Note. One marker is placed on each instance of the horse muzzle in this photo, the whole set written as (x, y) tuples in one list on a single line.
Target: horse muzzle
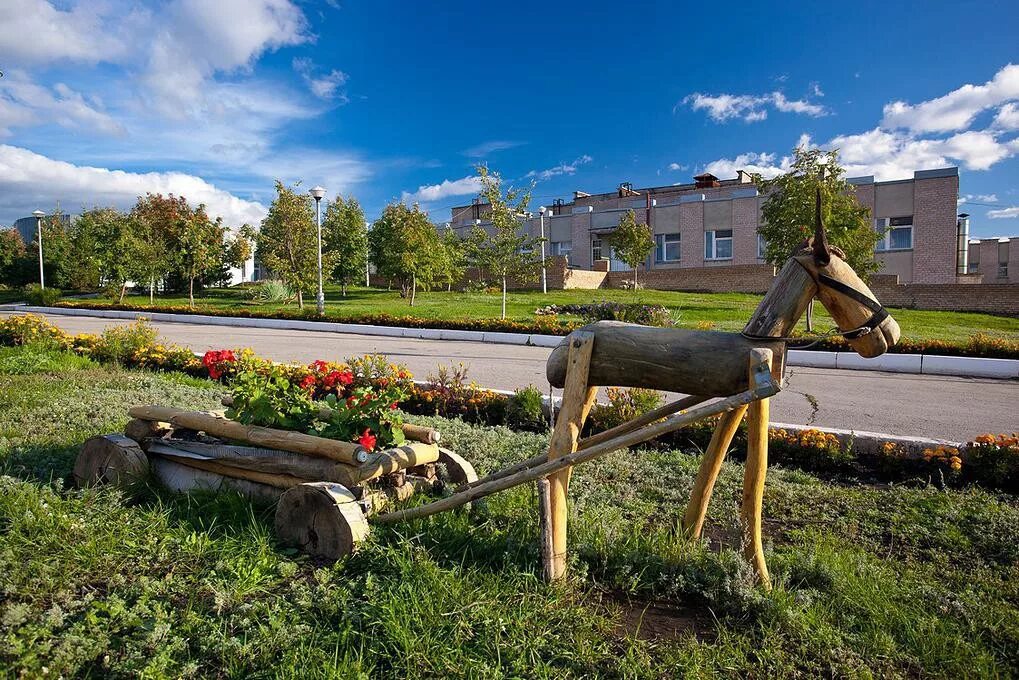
[(875, 343)]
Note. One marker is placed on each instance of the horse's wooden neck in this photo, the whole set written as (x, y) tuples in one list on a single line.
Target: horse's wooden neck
[(784, 303)]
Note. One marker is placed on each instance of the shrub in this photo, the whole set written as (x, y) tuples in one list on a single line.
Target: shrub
[(624, 405), (120, 344), (647, 315), (811, 449), (525, 410), (271, 292), (449, 394), (27, 329), (43, 297), (993, 461)]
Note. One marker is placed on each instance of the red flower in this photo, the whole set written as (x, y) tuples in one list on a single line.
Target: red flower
[(346, 378), (213, 361), (308, 382), (351, 401), (319, 366), (367, 439), (331, 379), (402, 375), (393, 406)]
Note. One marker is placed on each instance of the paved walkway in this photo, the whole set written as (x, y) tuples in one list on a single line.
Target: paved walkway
[(922, 405)]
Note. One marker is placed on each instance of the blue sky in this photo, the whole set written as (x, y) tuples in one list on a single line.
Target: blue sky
[(106, 99)]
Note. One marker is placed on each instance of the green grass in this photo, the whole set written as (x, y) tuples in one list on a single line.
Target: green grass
[(873, 581), (727, 311)]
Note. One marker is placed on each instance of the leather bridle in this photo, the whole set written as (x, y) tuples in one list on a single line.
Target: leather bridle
[(879, 313)]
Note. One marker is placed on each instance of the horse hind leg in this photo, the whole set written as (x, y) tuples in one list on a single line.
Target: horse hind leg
[(711, 465)]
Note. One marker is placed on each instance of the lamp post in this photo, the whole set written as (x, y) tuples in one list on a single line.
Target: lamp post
[(367, 276), (317, 193), (38, 215), (541, 221)]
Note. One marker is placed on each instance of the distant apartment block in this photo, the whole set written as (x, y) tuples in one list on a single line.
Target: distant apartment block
[(713, 223)]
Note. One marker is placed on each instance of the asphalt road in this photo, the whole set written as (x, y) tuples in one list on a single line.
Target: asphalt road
[(941, 407)]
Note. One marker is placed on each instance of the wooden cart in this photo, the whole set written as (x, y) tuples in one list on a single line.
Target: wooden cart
[(326, 489)]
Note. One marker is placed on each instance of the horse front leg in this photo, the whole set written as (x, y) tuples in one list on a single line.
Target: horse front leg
[(711, 465), (578, 398), (753, 488)]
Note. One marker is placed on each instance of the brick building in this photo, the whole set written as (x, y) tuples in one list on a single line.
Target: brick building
[(711, 224)]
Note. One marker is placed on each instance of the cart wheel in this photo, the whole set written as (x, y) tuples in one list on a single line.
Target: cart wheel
[(458, 469), (322, 519)]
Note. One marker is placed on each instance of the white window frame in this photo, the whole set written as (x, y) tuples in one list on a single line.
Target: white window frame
[(661, 249), (600, 247), (563, 249), (1002, 270), (711, 244), (884, 226)]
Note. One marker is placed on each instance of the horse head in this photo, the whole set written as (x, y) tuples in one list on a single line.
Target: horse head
[(861, 319)]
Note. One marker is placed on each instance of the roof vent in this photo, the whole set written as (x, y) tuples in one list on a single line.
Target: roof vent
[(706, 181)]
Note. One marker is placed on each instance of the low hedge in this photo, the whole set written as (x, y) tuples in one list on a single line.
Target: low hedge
[(989, 460), (981, 345)]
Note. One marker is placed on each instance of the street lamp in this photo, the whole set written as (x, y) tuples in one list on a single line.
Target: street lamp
[(367, 275), (38, 215), (317, 193), (541, 221)]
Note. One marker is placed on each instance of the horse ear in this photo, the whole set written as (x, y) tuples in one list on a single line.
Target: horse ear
[(822, 254)]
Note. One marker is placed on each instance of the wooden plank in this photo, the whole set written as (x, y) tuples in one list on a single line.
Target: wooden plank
[(753, 486), (707, 473), (545, 530), (708, 363), (297, 442)]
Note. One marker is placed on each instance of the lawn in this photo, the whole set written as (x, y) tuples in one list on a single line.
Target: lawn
[(726, 311), (873, 580)]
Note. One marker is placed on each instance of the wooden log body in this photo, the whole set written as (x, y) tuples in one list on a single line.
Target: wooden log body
[(271, 461), (297, 442), (141, 430), (389, 461), (706, 363), (176, 476)]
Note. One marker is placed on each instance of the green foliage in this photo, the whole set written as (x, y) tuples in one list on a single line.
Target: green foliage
[(12, 252), (288, 241), (120, 344), (525, 410), (632, 242), (266, 395), (788, 211), (624, 405), (271, 292), (43, 297), (345, 239), (57, 251), (507, 253), (406, 249)]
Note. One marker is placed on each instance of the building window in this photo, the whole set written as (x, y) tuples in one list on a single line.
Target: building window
[(973, 267), (596, 249), (761, 246), (718, 244), (666, 247), (562, 249), (1003, 270), (897, 233)]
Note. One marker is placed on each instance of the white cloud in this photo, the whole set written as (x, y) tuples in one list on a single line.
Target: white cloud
[(24, 103), (1004, 213), (36, 32), (30, 181), (978, 198), (1007, 117), (434, 192), (561, 169), (486, 148), (750, 108), (322, 86), (957, 109), (676, 167), (764, 164), (815, 89)]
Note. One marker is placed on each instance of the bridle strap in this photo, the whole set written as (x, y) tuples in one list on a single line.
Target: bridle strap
[(879, 315)]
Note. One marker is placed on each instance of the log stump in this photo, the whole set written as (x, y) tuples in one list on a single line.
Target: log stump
[(321, 519), (110, 459), (458, 470), (142, 430)]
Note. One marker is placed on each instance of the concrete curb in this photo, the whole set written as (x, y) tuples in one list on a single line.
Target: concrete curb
[(915, 364)]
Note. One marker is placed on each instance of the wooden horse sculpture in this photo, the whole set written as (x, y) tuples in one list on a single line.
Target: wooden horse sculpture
[(739, 371)]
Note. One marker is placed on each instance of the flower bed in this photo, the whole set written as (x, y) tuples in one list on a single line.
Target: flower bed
[(368, 393), (981, 345)]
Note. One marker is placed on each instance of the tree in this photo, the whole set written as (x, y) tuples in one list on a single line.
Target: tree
[(788, 211), (12, 252), (103, 243), (345, 239), (288, 240), (454, 254), (404, 245), (632, 242), (56, 249), (153, 221), (508, 254), (199, 242)]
